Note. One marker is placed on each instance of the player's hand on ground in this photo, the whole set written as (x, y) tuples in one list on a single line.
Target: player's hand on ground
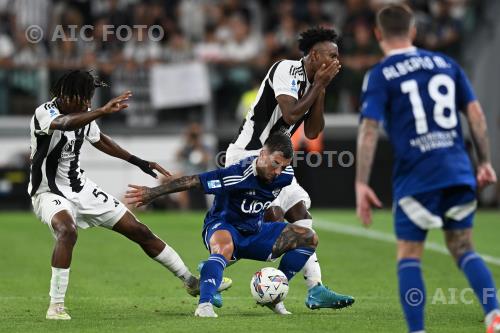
[(117, 103), (485, 175), (326, 73), (365, 200), (138, 195)]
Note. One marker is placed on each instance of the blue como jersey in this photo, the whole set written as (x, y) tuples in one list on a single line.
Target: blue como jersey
[(417, 94), (241, 198)]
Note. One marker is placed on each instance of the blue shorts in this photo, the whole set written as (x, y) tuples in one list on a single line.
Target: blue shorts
[(448, 208), (257, 246)]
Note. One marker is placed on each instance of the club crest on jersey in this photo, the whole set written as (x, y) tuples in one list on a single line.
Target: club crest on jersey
[(52, 112), (254, 207), (69, 146), (276, 192)]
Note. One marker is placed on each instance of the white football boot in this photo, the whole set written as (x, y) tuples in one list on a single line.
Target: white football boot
[(205, 310), (57, 311), (278, 308)]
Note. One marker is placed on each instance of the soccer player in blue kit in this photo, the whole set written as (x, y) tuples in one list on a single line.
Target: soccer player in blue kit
[(234, 227), (417, 95)]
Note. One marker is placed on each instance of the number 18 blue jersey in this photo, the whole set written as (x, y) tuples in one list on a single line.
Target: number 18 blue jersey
[(417, 94)]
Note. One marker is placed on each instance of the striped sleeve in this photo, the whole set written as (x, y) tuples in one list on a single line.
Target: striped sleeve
[(224, 180), (45, 114), (92, 132)]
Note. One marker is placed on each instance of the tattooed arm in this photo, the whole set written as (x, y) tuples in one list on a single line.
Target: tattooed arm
[(477, 124), (143, 195), (366, 146)]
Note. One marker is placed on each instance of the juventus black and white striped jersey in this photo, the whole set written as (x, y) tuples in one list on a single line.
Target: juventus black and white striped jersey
[(286, 77), (55, 154)]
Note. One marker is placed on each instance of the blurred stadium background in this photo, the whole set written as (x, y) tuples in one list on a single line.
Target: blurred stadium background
[(194, 79)]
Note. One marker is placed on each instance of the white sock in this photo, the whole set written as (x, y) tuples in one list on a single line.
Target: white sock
[(489, 317), (58, 284), (171, 260), (312, 271)]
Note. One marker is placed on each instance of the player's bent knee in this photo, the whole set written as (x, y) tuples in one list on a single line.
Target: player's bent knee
[(297, 212), (307, 236), (67, 233), (410, 249), (459, 242), (225, 250), (313, 239), (274, 214)]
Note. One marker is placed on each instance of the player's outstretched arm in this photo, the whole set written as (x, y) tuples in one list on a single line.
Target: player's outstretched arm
[(485, 173), (74, 121), (366, 147), (110, 147), (143, 195)]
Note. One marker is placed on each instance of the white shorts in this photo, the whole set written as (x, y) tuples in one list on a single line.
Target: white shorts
[(89, 208), (289, 196)]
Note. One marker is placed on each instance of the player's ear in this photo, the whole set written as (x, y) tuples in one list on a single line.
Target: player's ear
[(413, 33), (378, 34)]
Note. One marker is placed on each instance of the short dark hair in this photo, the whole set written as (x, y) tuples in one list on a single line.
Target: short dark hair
[(315, 35), (280, 142), (76, 85), (395, 20)]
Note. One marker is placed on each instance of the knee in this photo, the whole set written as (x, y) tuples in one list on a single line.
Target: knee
[(67, 233), (458, 249), (274, 214), (314, 240), (410, 249), (310, 238), (459, 242), (225, 250), (297, 213)]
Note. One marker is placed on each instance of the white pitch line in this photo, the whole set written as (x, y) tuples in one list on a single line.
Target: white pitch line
[(385, 237)]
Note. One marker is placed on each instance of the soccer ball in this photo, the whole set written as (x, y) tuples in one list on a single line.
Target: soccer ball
[(269, 285)]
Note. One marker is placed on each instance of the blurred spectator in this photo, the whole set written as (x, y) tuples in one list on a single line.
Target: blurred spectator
[(178, 49), (236, 38), (28, 54), (440, 31), (359, 53), (241, 45), (7, 49), (210, 49), (194, 157), (140, 50)]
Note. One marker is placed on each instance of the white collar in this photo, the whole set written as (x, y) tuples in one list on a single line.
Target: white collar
[(254, 166), (401, 51)]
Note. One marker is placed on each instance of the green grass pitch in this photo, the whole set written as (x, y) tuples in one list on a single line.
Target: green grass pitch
[(115, 287)]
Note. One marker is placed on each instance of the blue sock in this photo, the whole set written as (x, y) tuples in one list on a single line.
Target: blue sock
[(480, 280), (211, 276), (293, 261), (412, 293)]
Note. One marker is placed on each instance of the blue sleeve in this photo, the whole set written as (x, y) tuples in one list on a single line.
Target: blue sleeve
[(464, 92), (224, 180), (374, 95)]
